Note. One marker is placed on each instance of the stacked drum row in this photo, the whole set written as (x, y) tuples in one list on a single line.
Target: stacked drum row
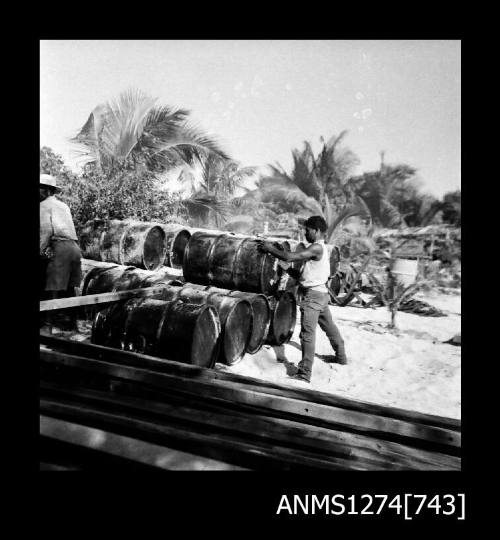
[(151, 325), (136, 243)]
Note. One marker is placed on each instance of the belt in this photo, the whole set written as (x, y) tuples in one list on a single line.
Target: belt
[(313, 288), (62, 239)]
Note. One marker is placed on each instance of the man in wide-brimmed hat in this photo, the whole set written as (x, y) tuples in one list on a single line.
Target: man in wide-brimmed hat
[(60, 255)]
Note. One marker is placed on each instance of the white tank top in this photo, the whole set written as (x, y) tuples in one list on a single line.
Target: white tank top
[(315, 274)]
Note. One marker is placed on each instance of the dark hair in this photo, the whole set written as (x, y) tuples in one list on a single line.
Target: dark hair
[(316, 222), (51, 189)]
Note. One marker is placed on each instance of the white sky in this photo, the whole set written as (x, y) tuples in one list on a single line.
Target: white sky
[(263, 98)]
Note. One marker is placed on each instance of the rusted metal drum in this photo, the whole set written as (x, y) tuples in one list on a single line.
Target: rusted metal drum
[(101, 280), (175, 330), (108, 326), (261, 314), (177, 237), (284, 278), (134, 243), (90, 237), (90, 267), (210, 231), (235, 315), (107, 277), (283, 318), (261, 319), (159, 278), (88, 264), (144, 245), (110, 249), (283, 242), (334, 259), (230, 262), (287, 281)]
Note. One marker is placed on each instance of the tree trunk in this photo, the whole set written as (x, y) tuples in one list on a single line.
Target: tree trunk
[(393, 310)]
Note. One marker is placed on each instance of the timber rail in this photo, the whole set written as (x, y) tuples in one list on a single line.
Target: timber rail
[(225, 420), (95, 299)]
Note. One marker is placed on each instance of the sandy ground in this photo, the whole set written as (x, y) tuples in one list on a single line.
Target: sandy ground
[(409, 368)]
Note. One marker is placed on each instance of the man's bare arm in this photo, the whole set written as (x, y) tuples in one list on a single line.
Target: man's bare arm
[(313, 252)]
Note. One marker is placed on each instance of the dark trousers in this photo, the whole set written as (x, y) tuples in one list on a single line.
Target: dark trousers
[(314, 310), (66, 319)]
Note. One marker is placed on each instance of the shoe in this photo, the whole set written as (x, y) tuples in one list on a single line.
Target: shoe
[(46, 330), (301, 377)]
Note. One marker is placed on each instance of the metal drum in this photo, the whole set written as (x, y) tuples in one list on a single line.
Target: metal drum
[(261, 319), (90, 238), (235, 315), (230, 262), (133, 243), (283, 318), (102, 280), (107, 277), (175, 330), (144, 245), (261, 314), (177, 237)]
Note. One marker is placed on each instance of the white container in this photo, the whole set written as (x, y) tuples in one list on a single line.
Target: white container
[(405, 270)]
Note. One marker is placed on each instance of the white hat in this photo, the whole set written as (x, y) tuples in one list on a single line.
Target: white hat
[(48, 180)]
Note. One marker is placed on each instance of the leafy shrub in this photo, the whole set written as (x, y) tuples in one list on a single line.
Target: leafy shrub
[(128, 191)]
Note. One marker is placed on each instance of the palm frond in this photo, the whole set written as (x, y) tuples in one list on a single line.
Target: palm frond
[(303, 174), (358, 208), (209, 202), (335, 140), (183, 141), (125, 122), (308, 154), (132, 125), (279, 171), (87, 139), (246, 171)]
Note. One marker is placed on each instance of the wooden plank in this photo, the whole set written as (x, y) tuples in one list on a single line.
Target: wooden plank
[(352, 439), (94, 299), (347, 419), (185, 370), (379, 447), (357, 421), (225, 448), (368, 441), (128, 447), (44, 466), (295, 434)]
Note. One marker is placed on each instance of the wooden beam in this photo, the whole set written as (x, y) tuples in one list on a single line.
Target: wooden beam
[(94, 299), (223, 447), (128, 447), (170, 367), (356, 421), (379, 454)]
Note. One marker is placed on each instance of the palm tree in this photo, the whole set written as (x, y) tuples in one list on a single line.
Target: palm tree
[(279, 195), (384, 190), (324, 175), (133, 128), (324, 178), (210, 196), (223, 176)]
